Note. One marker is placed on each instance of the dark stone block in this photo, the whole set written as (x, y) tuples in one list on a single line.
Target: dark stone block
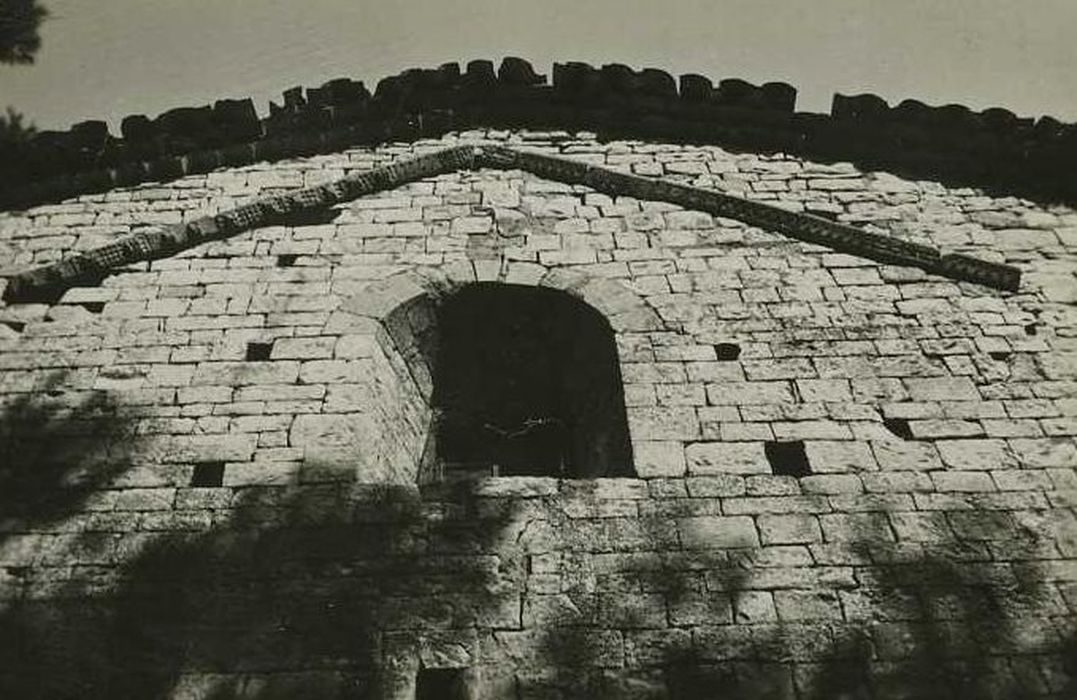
[(51, 140), (272, 149), (859, 107), (449, 74), (733, 92), (480, 73), (344, 91), (94, 181), (240, 154), (389, 89), (912, 112), (1048, 128), (404, 128), (293, 98), (437, 122), (279, 123), (317, 97), (696, 88), (203, 161), (779, 96), (955, 117), (347, 114), (998, 119), (89, 134), (167, 168), (656, 83), (339, 138), (574, 77), (617, 77), (191, 122), (307, 144), (416, 90), (236, 119), (129, 174), (34, 192), (516, 71), (112, 153)]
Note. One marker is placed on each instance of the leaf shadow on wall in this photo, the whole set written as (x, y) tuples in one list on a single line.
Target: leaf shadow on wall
[(936, 622), (57, 447), (290, 594)]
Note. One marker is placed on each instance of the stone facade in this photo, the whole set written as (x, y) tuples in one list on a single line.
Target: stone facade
[(211, 460)]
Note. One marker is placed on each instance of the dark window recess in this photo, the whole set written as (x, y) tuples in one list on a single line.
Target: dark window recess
[(16, 326), (1031, 329), (527, 383), (727, 352), (440, 684), (208, 474), (899, 427), (787, 458), (286, 260), (1001, 356), (259, 351)]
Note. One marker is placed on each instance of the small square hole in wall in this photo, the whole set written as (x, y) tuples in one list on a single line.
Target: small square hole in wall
[(259, 351), (727, 352), (899, 427), (286, 260), (94, 307), (440, 684), (208, 475), (1031, 329), (787, 458)]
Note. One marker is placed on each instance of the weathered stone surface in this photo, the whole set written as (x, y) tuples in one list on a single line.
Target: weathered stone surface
[(789, 529), (839, 456), (206, 498), (726, 458), (663, 458), (715, 532)]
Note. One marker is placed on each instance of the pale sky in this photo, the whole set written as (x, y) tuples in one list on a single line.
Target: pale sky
[(105, 59)]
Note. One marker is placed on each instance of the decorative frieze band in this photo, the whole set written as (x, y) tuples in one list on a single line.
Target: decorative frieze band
[(804, 227), (49, 282)]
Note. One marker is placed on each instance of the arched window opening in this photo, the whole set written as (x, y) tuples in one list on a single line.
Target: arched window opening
[(527, 382)]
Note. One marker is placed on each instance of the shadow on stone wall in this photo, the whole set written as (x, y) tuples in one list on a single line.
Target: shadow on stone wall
[(56, 448), (286, 598), (941, 630), (333, 591), (935, 622)]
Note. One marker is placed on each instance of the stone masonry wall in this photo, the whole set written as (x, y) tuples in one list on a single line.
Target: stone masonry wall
[(208, 463)]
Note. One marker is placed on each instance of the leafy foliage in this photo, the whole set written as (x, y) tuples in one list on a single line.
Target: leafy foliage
[(19, 22), (13, 129)]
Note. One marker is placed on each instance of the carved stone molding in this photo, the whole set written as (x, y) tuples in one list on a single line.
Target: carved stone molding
[(49, 282)]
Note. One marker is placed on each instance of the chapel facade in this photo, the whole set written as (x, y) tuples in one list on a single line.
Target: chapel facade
[(484, 385)]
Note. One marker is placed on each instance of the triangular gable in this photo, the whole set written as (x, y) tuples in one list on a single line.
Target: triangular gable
[(50, 281)]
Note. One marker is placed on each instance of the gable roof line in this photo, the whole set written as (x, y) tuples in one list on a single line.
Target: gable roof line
[(50, 281), (993, 148)]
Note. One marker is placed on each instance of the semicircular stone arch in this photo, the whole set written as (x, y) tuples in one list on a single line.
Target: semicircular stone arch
[(394, 434)]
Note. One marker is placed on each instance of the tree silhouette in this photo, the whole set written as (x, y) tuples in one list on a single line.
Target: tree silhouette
[(19, 41), (19, 22), (13, 129)]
